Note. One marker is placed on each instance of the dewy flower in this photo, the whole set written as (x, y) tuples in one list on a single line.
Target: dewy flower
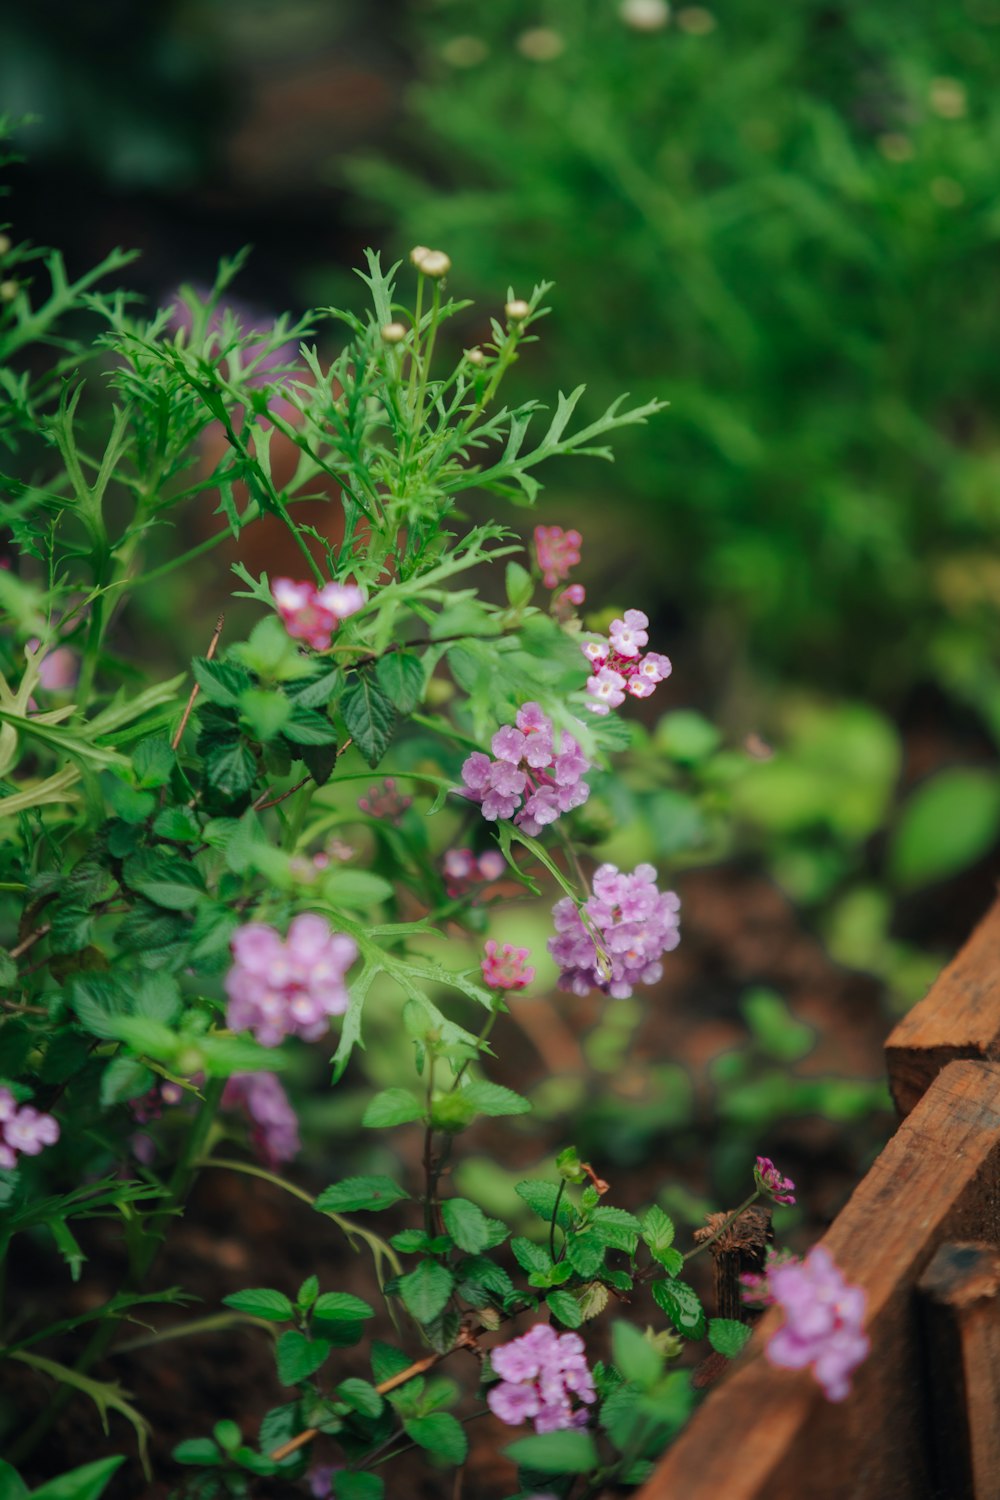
[(557, 551), (637, 924), (770, 1181), (275, 1127), (540, 1374), (507, 969), (618, 665), (24, 1131), (529, 781), (823, 1321), (281, 987), (312, 615)]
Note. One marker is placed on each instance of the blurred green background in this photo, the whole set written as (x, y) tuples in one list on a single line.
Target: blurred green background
[(784, 220)]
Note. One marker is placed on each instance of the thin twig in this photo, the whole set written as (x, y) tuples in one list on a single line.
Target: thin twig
[(30, 940), (417, 1368), (265, 801), (179, 732)]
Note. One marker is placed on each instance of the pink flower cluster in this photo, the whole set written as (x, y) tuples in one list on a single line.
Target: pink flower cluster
[(557, 551), (823, 1321), (463, 871), (527, 765), (506, 968), (24, 1131), (312, 615), (618, 665), (279, 987), (637, 925), (384, 801), (275, 1127), (540, 1373), (770, 1181)]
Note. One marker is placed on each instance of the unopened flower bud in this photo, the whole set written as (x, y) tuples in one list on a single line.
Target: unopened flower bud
[(475, 356), (394, 333), (4, 244), (517, 310), (417, 255), (435, 263), (8, 291)]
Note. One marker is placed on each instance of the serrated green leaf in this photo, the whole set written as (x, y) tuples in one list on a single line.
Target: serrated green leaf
[(153, 760), (426, 1290), (543, 1198), (440, 1434), (124, 1078), (617, 1228), (262, 1302), (354, 1193), (167, 880), (585, 1253), (360, 1395), (657, 1230), (493, 1099), (221, 682), (531, 1257), (178, 824), (402, 679), (230, 769), (564, 1306), (298, 1357), (309, 727), (318, 691), (341, 1307), (728, 1336), (126, 802), (682, 1306), (392, 1107), (467, 1224), (370, 717), (266, 712), (566, 1452)]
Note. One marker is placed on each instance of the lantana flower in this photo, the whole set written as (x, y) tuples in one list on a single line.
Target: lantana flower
[(822, 1330), (506, 968), (541, 1372), (637, 924), (557, 551), (275, 1126), (280, 987), (529, 781), (312, 615), (618, 665), (24, 1130)]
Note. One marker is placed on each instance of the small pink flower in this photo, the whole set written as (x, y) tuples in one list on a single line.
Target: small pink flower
[(275, 1132), (823, 1323), (465, 875), (24, 1130), (385, 802), (58, 669), (529, 767), (287, 987), (637, 923), (540, 1374), (628, 635), (770, 1181), (312, 615), (507, 969), (557, 551), (619, 667), (607, 688)]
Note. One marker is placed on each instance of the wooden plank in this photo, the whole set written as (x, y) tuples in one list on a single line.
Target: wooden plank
[(768, 1434), (960, 1310), (959, 1017)]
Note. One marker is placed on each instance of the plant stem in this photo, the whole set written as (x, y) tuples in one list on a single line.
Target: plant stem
[(730, 1219)]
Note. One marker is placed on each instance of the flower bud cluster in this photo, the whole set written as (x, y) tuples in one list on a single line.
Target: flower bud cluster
[(312, 615), (527, 766), (637, 924), (557, 551), (384, 801), (24, 1131), (274, 1125), (619, 667), (465, 872), (823, 1323), (540, 1374), (506, 968), (288, 987)]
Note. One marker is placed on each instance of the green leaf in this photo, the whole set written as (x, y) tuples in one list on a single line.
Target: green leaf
[(341, 1307), (308, 1292), (585, 1253), (12, 1486), (520, 585), (221, 682), (616, 1228), (426, 1290), (948, 823), (467, 1224), (728, 1336), (565, 1307), (266, 712), (657, 1230), (493, 1099), (309, 727), (299, 1357), (387, 1361), (441, 1434), (201, 1451), (353, 1193), (566, 1452), (125, 801), (318, 691), (165, 879), (86, 1483), (360, 1395), (370, 717), (153, 760), (543, 1197), (402, 679), (124, 1078), (271, 653), (179, 824), (354, 1484), (682, 1306), (671, 1260), (635, 1357), (531, 1257), (319, 761), (392, 1107), (358, 889), (230, 769), (262, 1302)]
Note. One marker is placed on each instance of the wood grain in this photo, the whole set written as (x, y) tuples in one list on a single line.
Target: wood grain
[(768, 1434), (959, 1017)]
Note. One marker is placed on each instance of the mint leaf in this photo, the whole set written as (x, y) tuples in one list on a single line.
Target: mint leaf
[(567, 1452), (299, 1357), (426, 1290), (341, 1306), (682, 1306), (402, 679), (370, 717), (728, 1336), (353, 1193), (467, 1224), (440, 1434), (262, 1302), (392, 1107)]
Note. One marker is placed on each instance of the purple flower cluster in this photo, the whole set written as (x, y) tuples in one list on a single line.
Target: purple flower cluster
[(823, 1321), (24, 1131), (618, 665), (465, 873), (385, 802), (637, 924), (275, 1127), (280, 987), (770, 1181), (527, 766), (540, 1373)]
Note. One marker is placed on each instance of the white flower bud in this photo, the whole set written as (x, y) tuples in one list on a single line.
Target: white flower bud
[(434, 263), (475, 356), (4, 244), (417, 255), (645, 15), (394, 333), (8, 291), (517, 310)]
